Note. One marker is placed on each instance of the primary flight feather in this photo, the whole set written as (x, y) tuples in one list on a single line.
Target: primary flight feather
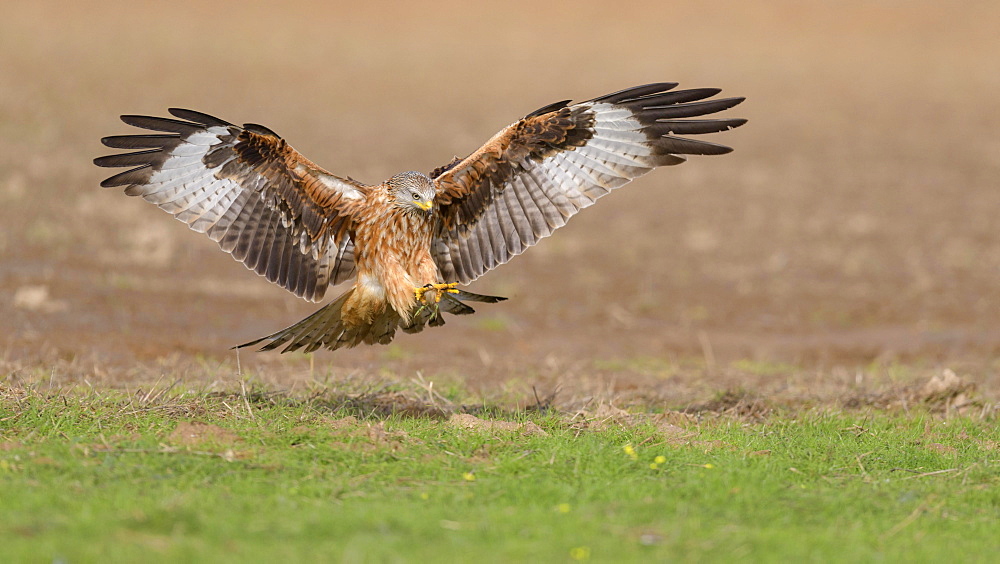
[(408, 241)]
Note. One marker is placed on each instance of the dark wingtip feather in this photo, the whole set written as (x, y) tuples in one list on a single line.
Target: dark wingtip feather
[(198, 117), (685, 110), (635, 92), (696, 126), (671, 98), (135, 176), (157, 141), (161, 124), (126, 159)]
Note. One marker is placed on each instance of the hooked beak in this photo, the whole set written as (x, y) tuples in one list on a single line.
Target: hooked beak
[(425, 205)]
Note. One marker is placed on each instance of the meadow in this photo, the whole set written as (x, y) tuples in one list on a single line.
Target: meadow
[(249, 475)]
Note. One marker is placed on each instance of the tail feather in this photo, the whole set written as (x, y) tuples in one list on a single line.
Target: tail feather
[(326, 327), (470, 297), (450, 304), (383, 328), (308, 333)]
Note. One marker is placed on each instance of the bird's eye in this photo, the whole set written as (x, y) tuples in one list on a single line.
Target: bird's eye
[(415, 196)]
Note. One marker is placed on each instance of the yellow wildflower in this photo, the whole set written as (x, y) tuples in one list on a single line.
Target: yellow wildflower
[(630, 451)]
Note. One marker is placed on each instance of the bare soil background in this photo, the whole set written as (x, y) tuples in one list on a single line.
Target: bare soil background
[(849, 244)]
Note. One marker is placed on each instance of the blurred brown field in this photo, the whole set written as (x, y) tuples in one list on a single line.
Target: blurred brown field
[(853, 230)]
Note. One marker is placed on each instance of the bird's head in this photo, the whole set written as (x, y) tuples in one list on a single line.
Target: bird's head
[(413, 191)]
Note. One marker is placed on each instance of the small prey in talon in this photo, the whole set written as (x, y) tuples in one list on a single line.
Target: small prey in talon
[(305, 229)]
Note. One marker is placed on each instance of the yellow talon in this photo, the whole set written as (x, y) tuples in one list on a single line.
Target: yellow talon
[(440, 289)]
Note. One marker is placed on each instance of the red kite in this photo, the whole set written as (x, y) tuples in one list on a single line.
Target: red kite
[(411, 239)]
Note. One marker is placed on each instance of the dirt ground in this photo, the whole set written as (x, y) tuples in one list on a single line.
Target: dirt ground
[(849, 243)]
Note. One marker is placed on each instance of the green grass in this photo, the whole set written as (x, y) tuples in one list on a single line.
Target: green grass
[(98, 478)]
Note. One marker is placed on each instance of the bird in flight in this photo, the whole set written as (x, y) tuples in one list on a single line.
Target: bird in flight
[(409, 241)]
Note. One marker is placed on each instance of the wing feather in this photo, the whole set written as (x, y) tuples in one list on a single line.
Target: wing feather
[(531, 221), (278, 262), (517, 230), (247, 189), (261, 240), (552, 216), (243, 229), (535, 174)]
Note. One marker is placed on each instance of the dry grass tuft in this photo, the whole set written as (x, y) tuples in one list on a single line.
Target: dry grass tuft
[(945, 394)]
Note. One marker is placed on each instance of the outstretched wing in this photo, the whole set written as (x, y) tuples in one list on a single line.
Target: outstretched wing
[(535, 174), (282, 216)]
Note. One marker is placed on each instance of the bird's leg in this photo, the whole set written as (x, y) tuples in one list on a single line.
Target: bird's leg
[(416, 312), (439, 291)]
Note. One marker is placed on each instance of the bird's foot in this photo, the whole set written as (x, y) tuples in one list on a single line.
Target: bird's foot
[(439, 291)]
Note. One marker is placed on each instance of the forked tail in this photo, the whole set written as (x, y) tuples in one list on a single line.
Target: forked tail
[(326, 328)]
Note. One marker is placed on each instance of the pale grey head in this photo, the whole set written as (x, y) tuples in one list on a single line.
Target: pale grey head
[(413, 191)]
